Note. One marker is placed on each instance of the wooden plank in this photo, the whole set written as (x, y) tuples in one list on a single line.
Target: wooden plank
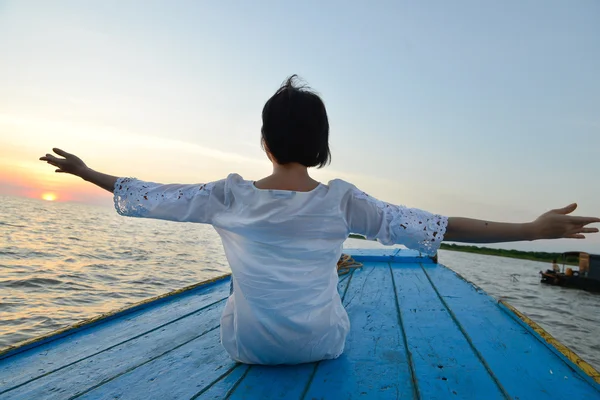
[(278, 382), (444, 364), (374, 364), (384, 252), (343, 283), (109, 365), (523, 364), (180, 374), (53, 356), (223, 387), (392, 255)]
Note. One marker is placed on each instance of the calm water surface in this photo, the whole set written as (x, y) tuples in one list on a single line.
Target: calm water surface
[(61, 263)]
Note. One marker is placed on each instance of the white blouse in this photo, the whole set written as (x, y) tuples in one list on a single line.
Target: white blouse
[(283, 247)]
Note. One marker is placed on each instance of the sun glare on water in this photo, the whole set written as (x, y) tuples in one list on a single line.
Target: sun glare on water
[(49, 196)]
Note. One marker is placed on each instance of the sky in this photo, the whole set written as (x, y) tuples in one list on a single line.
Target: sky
[(468, 108)]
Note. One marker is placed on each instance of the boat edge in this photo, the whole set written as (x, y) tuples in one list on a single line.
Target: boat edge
[(568, 356), (574, 361), (28, 344)]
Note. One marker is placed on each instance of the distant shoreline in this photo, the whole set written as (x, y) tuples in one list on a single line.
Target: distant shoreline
[(521, 255), (518, 254)]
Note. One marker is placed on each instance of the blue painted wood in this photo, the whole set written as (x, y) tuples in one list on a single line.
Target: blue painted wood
[(392, 255), (391, 252), (85, 343), (223, 387), (572, 365), (374, 364), (284, 382), (526, 368), (388, 252), (408, 320), (179, 374), (443, 362), (343, 283), (105, 366)]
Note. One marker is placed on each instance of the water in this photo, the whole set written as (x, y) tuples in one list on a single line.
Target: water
[(61, 263)]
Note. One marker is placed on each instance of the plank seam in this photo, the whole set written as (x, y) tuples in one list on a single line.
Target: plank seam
[(469, 340), (348, 285), (310, 380), (238, 383), (111, 347), (105, 381), (224, 375), (411, 365), (314, 371), (344, 278)]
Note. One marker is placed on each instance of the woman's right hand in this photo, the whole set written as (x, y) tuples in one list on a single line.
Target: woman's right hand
[(70, 164)]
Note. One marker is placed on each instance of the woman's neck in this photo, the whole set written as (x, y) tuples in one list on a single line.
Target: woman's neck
[(291, 176)]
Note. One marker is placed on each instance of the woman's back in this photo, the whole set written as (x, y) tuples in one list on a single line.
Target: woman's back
[(283, 247)]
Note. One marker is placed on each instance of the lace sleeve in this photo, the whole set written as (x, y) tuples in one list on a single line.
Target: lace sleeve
[(136, 198), (392, 224)]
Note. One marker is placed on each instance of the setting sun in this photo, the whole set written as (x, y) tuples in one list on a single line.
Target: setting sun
[(49, 196)]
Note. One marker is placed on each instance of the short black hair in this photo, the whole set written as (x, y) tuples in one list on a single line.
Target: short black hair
[(295, 127)]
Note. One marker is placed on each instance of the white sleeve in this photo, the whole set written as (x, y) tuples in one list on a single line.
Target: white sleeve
[(392, 224), (174, 202)]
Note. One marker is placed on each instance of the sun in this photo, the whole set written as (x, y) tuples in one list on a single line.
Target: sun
[(49, 196)]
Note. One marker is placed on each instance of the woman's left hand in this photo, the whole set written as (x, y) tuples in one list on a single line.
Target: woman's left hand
[(557, 224)]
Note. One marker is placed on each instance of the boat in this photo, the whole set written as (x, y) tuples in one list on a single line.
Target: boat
[(586, 277), (418, 331)]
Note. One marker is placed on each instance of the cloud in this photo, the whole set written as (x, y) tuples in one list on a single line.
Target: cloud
[(114, 136)]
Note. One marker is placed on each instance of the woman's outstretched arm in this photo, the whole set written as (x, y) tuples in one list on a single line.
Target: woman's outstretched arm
[(423, 231), (554, 224), (136, 198), (71, 164)]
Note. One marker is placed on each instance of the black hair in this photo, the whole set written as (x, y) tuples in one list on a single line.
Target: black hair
[(295, 126)]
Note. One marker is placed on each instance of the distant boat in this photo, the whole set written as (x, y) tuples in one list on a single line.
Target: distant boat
[(419, 331), (586, 277)]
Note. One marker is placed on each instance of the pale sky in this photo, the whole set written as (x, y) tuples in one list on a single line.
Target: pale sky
[(470, 108)]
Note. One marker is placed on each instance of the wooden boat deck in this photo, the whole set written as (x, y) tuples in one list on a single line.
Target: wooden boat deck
[(418, 332)]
